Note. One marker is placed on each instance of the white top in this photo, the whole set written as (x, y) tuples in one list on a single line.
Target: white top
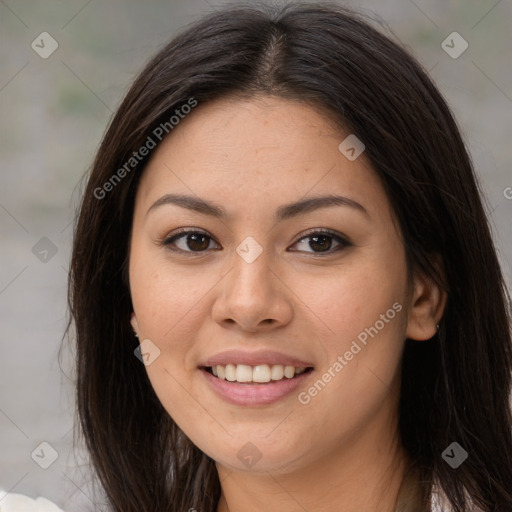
[(20, 503)]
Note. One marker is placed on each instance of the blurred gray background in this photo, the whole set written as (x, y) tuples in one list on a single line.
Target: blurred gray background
[(53, 113)]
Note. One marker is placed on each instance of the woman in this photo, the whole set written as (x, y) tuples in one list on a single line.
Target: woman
[(283, 282)]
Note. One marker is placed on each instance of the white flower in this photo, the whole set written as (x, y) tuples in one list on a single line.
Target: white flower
[(10, 502)]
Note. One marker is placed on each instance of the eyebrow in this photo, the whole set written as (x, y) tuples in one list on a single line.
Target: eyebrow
[(284, 212)]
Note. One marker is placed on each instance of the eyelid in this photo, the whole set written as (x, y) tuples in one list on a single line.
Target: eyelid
[(180, 231), (322, 231)]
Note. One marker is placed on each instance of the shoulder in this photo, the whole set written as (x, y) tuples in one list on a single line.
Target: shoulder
[(10, 502)]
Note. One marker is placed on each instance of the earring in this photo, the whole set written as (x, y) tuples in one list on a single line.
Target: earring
[(437, 327), (136, 335)]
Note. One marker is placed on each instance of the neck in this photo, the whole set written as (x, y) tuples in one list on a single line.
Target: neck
[(364, 474)]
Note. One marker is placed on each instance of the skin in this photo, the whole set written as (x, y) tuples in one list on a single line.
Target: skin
[(251, 157)]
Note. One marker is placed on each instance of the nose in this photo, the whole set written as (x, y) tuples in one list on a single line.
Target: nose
[(253, 297)]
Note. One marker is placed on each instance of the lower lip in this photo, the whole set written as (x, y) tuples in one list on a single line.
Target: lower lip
[(254, 394)]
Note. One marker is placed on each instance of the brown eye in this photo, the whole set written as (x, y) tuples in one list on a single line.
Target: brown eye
[(322, 241), (189, 241)]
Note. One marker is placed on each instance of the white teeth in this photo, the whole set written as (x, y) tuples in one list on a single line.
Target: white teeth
[(230, 372), (261, 373), (277, 372), (289, 372), (243, 373)]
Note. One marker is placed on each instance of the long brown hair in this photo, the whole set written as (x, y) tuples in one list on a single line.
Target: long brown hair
[(455, 388)]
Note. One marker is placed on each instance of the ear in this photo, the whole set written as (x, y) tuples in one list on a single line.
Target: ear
[(135, 325), (426, 308)]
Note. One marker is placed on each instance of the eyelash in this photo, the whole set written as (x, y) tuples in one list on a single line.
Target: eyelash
[(180, 233)]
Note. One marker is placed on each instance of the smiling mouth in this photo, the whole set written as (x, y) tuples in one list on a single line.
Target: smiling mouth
[(258, 374)]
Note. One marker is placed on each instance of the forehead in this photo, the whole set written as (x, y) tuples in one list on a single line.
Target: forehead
[(277, 149)]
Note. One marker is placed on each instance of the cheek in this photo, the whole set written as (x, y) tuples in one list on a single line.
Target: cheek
[(169, 306), (166, 300), (360, 318), (350, 300)]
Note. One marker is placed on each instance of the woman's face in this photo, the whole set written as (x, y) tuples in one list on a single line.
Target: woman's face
[(261, 288)]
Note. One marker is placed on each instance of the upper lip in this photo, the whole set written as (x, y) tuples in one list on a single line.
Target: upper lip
[(269, 357)]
